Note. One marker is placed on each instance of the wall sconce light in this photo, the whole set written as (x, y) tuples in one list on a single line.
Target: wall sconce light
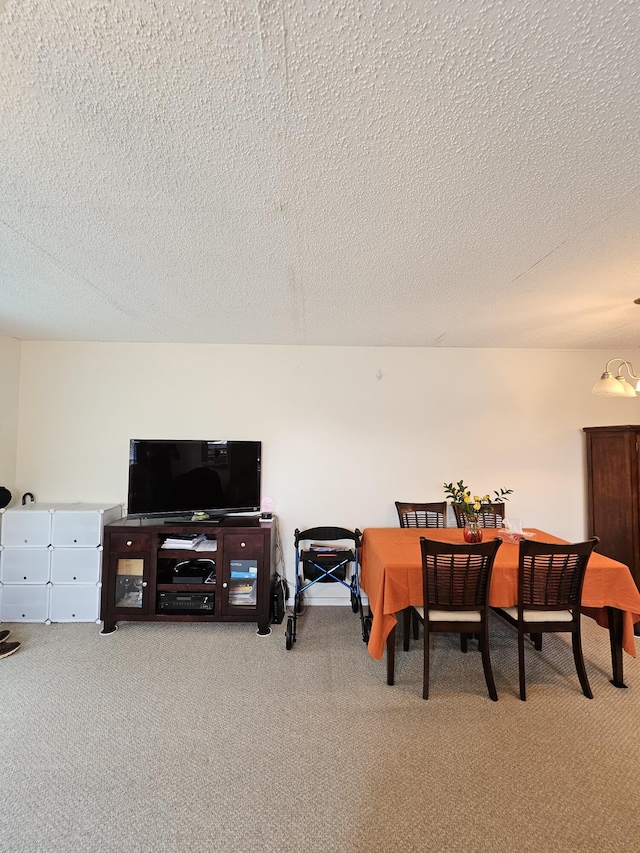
[(617, 386)]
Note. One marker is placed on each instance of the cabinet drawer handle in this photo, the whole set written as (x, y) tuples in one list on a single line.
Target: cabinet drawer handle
[(144, 583), (243, 544), (225, 585), (129, 542)]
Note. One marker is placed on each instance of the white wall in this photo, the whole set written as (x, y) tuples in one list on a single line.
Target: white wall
[(339, 445), (9, 386)]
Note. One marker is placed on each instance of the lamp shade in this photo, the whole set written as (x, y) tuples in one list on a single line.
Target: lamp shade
[(627, 387), (608, 386)]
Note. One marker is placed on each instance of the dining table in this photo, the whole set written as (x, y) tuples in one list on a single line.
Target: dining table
[(391, 578)]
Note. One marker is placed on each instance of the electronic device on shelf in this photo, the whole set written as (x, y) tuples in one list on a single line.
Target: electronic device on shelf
[(193, 571), (185, 602), (188, 478)]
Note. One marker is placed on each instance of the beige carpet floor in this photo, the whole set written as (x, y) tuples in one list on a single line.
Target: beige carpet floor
[(193, 737)]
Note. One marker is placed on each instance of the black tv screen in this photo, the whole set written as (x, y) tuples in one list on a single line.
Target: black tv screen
[(186, 476)]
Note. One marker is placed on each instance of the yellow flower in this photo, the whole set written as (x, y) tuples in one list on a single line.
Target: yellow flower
[(460, 496)]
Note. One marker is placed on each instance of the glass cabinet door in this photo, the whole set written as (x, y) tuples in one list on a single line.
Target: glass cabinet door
[(243, 584), (243, 561), (129, 556), (130, 585)]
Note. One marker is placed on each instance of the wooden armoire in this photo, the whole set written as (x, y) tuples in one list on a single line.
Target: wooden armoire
[(613, 492)]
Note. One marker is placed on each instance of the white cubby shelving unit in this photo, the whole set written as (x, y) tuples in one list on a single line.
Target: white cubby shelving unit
[(51, 561)]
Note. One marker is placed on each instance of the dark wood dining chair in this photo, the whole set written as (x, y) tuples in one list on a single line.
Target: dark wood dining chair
[(485, 519), (455, 582), (422, 514), (550, 580), (415, 515)]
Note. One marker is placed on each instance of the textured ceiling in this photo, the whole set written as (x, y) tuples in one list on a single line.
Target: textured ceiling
[(355, 172)]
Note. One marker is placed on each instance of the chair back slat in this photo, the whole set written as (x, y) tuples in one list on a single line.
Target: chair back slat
[(551, 575), (455, 576), (491, 519), (432, 514)]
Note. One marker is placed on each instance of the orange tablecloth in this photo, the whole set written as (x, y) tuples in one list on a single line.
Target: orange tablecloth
[(391, 577)]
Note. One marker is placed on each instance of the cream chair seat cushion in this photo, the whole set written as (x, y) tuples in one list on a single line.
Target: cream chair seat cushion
[(540, 615), (450, 615)]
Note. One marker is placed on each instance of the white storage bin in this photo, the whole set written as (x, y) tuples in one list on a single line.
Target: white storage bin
[(81, 527), (76, 565), (74, 603), (28, 526), (24, 603), (25, 565)]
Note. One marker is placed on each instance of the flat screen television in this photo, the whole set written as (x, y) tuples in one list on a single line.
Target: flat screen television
[(178, 478)]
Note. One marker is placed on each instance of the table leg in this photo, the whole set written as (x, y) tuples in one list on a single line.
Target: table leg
[(391, 655), (615, 640)]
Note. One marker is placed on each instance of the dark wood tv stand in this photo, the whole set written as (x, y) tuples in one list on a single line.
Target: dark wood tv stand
[(142, 580)]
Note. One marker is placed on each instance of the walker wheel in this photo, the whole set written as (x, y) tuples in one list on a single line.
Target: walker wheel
[(289, 633), (355, 602)]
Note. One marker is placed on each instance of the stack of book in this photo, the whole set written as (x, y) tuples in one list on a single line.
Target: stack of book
[(244, 570), (207, 545), (242, 594)]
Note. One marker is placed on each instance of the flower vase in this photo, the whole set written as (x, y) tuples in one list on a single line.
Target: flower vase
[(472, 530)]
